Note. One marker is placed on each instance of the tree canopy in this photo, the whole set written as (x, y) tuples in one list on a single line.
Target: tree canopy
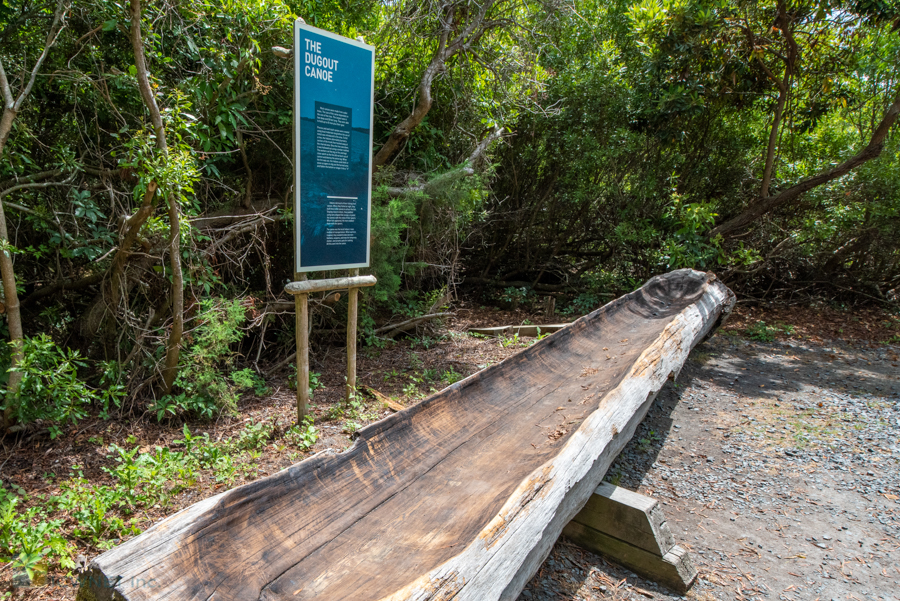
[(562, 148)]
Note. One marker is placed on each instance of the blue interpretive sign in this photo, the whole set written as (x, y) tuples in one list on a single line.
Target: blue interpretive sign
[(333, 98)]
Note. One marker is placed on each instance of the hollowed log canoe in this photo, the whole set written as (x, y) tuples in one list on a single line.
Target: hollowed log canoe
[(459, 497)]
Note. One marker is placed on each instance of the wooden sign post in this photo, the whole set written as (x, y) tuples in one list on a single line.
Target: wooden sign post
[(351, 339), (301, 291), (333, 101), (301, 324)]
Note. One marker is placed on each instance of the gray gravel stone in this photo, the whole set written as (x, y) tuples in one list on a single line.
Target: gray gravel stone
[(789, 442)]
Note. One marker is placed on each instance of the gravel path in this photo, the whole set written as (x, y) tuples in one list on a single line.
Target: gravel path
[(777, 467)]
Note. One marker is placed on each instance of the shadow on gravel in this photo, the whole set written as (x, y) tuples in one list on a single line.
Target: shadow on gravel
[(773, 369), (740, 370), (776, 465), (652, 434)]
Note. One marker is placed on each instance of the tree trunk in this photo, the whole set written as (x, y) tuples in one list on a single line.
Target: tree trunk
[(140, 62), (6, 121), (11, 106), (116, 283), (423, 105), (7, 271), (446, 50), (132, 227), (773, 141), (170, 370), (173, 345), (13, 315), (785, 25), (765, 205)]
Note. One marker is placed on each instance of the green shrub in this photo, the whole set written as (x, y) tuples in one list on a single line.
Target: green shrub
[(204, 389), (689, 245), (304, 436), (451, 376), (761, 332), (246, 379), (27, 537), (583, 303), (256, 435), (51, 390), (390, 217), (515, 297)]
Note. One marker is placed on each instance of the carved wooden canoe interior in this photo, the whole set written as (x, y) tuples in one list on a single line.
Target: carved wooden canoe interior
[(461, 496)]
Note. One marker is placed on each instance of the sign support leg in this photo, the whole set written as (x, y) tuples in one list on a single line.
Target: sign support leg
[(301, 310), (351, 337)]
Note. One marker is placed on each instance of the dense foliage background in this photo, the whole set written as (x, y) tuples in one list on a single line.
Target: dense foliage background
[(525, 150)]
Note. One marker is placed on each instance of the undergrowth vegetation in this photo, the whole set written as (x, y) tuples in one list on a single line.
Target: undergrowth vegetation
[(52, 391), (36, 531), (208, 380), (571, 152)]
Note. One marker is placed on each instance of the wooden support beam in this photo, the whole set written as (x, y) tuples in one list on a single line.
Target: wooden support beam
[(301, 326), (630, 529), (307, 286), (352, 296), (301, 290), (460, 496), (529, 330)]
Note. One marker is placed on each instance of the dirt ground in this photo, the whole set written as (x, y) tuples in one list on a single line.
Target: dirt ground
[(776, 462)]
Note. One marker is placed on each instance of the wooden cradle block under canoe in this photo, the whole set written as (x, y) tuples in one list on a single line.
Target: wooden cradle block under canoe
[(459, 497)]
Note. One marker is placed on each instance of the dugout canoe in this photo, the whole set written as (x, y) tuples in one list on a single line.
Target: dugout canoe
[(459, 497)]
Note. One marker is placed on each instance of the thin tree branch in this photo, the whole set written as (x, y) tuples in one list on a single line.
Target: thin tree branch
[(137, 44), (32, 185), (59, 15), (393, 329), (29, 178), (765, 205), (465, 170), (66, 284)]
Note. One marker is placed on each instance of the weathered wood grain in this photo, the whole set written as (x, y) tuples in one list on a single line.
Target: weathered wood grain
[(630, 529), (628, 516), (460, 497), (532, 330), (308, 286)]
